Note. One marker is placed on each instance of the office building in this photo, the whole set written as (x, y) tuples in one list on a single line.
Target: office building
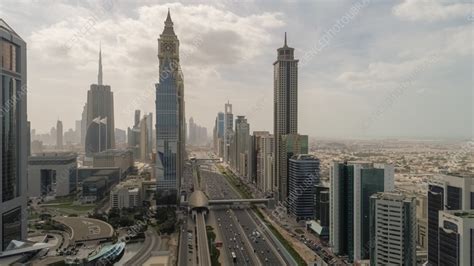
[(170, 122), (127, 194), (422, 222), (392, 229), (149, 128), (52, 174), (122, 159), (352, 184), (113, 174), (290, 144), (456, 237), (219, 135), (241, 146), (228, 130), (94, 188), (13, 219), (59, 135), (285, 113), (321, 204), (446, 192), (262, 149), (84, 125), (303, 175), (120, 136), (100, 132)]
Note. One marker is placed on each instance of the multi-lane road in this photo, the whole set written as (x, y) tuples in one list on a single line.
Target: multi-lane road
[(240, 230)]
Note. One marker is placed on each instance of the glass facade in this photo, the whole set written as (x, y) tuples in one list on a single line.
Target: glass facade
[(167, 130), (454, 197), (11, 229), (9, 140), (435, 204), (372, 181), (472, 200), (14, 134), (449, 244)]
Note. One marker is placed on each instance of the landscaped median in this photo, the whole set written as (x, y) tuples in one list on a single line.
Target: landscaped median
[(235, 182), (288, 246), (244, 193)]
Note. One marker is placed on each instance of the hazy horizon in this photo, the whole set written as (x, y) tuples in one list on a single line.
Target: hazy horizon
[(367, 68)]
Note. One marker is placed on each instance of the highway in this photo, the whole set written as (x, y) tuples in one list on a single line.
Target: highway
[(258, 248), (202, 245)]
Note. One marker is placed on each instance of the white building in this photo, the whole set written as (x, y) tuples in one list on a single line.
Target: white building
[(456, 237), (127, 194), (393, 229), (52, 174)]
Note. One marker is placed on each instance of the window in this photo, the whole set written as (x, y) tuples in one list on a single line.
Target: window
[(11, 226)]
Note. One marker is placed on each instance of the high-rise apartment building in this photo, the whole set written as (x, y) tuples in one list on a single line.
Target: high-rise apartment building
[(59, 135), (446, 192), (13, 212), (352, 184), (392, 229), (100, 133), (170, 117), (285, 111), (456, 237), (303, 175)]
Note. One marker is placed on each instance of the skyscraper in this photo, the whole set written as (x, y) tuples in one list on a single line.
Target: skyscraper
[(290, 145), (100, 133), (192, 131), (242, 145), (262, 148), (392, 229), (456, 238), (59, 135), (352, 184), (170, 124), (446, 192), (303, 176), (228, 130), (13, 219), (84, 125), (285, 110)]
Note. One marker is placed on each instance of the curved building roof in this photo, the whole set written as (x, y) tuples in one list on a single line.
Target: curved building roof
[(198, 200)]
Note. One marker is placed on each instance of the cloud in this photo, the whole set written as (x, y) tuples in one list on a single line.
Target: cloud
[(432, 10)]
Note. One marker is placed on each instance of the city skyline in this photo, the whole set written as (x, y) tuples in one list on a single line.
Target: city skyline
[(354, 93)]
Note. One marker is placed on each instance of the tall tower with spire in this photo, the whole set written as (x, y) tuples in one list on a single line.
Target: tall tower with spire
[(170, 114), (99, 76), (285, 116), (100, 124)]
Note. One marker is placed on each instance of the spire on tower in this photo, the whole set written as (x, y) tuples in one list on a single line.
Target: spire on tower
[(99, 78), (285, 41), (168, 20), (168, 25)]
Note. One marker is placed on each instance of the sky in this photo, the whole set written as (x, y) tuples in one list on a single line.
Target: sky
[(367, 68)]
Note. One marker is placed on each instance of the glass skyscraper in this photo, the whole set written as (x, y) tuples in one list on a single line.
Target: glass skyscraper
[(170, 124), (13, 220), (352, 184)]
